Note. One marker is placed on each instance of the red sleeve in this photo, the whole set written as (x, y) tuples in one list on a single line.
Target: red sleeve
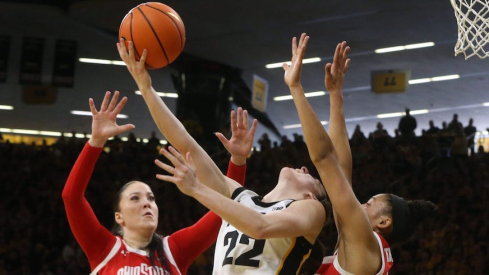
[(188, 243), (95, 240)]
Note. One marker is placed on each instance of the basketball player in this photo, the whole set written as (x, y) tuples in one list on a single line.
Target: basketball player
[(136, 248), (365, 230), (259, 235)]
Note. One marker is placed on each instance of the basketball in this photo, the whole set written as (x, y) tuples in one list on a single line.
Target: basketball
[(156, 27)]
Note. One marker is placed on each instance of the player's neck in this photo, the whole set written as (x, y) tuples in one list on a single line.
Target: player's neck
[(136, 241), (280, 192)]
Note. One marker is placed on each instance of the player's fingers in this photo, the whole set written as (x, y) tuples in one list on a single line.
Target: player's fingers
[(347, 65), (253, 127), (169, 156), (234, 126), (144, 56), (294, 45), (120, 105), (177, 155), (240, 118), (190, 161), (222, 139), (113, 101), (168, 168), (105, 102), (245, 120), (92, 106)]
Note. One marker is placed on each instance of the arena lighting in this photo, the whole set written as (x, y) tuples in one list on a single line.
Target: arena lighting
[(58, 134), (289, 97), (412, 82), (102, 61), (86, 113), (486, 104), (398, 114), (405, 47), (433, 79), (304, 61), (292, 126), (6, 107), (172, 95)]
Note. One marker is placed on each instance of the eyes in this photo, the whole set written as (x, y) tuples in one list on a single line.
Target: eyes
[(136, 198)]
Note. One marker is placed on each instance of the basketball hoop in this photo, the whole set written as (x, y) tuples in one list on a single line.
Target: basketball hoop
[(473, 27)]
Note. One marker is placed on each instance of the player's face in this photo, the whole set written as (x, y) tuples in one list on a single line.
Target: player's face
[(138, 209), (374, 208), (304, 179)]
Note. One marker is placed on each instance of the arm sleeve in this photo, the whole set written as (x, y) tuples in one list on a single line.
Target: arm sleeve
[(188, 243), (94, 239)]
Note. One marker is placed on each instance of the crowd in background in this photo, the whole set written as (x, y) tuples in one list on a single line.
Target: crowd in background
[(35, 237)]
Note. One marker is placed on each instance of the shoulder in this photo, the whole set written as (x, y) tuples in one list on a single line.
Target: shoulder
[(308, 207), (241, 192)]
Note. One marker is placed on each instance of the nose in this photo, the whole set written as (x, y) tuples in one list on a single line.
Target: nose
[(304, 170), (147, 204)]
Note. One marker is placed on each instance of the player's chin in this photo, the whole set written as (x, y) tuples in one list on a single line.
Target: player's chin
[(150, 224)]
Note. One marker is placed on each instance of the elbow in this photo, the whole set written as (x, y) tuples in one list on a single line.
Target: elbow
[(65, 195), (260, 231), (258, 234), (322, 156)]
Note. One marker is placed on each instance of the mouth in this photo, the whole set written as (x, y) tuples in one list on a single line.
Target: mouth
[(148, 214)]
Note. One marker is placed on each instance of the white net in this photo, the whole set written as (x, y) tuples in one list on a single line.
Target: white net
[(473, 27)]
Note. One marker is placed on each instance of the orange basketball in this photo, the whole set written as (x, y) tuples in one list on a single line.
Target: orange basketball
[(156, 27)]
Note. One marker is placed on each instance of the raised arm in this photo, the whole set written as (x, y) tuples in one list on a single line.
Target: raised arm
[(187, 244), (302, 218), (170, 126), (355, 225), (333, 81), (95, 240), (241, 141)]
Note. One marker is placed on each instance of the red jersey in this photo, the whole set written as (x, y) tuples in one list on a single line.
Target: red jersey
[(109, 254), (331, 266)]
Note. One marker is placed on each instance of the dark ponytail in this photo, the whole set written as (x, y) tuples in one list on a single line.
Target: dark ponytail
[(155, 249), (406, 215)]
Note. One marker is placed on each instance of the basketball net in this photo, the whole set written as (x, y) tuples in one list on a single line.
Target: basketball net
[(473, 26)]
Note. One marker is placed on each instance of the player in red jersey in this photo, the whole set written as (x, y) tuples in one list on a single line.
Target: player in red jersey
[(138, 249), (362, 228)]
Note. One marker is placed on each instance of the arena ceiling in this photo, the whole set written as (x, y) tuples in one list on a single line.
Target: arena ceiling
[(247, 35)]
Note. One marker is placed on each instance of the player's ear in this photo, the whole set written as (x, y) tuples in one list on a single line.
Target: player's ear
[(310, 196), (385, 222), (118, 218)]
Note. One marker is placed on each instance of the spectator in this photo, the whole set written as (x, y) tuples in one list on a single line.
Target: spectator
[(407, 125), (433, 130), (454, 126), (469, 132), (380, 138)]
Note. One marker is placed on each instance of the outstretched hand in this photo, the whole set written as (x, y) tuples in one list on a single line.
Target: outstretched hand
[(292, 76), (335, 73), (182, 173), (136, 68), (241, 141), (104, 125)]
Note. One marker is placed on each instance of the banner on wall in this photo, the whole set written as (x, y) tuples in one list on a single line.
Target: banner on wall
[(260, 91), (39, 94), (31, 60), (4, 54), (64, 63)]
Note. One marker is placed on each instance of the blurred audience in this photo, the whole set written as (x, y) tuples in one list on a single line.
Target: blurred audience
[(35, 237)]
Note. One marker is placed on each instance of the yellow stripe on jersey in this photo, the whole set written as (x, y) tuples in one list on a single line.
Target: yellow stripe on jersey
[(285, 257)]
